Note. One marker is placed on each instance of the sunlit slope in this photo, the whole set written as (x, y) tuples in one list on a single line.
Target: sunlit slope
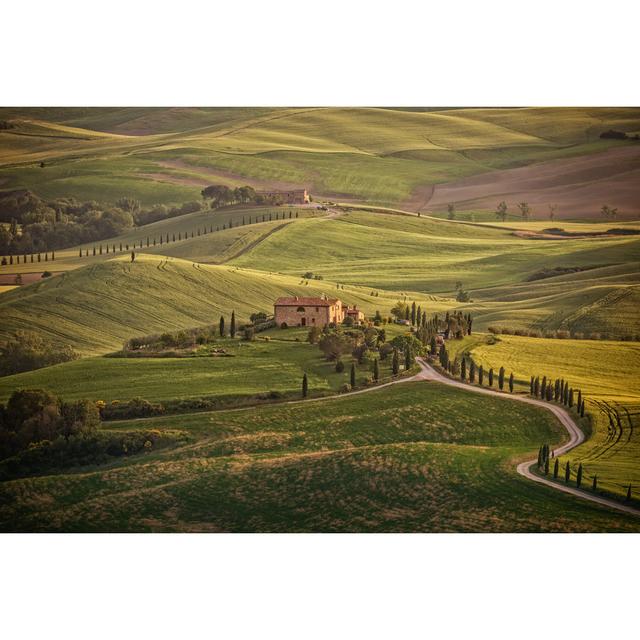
[(606, 372), (96, 308), (377, 155)]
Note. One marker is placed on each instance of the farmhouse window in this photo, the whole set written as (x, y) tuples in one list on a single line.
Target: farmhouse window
[(300, 309)]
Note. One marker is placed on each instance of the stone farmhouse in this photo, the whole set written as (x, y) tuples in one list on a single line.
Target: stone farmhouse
[(301, 311), (293, 196)]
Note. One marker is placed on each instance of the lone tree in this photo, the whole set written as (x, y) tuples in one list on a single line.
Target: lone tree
[(353, 375), (579, 476), (305, 386), (501, 211), (376, 370), (232, 326), (395, 363), (525, 210), (222, 326)]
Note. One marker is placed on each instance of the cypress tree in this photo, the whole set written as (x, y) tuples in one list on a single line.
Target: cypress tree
[(582, 409), (94, 253), (353, 375), (480, 375), (107, 248), (501, 378), (413, 314), (539, 457), (232, 327), (536, 387), (81, 253), (556, 390), (579, 402), (628, 498), (579, 476), (463, 369), (46, 257), (434, 346), (376, 370), (491, 377), (532, 386), (594, 485), (395, 363), (546, 467), (133, 256), (305, 386), (407, 359), (511, 383), (221, 326), (100, 250), (543, 388), (556, 468), (472, 372), (570, 398), (567, 472)]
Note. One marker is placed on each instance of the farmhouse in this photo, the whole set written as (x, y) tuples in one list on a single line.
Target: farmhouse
[(300, 311), (294, 196)]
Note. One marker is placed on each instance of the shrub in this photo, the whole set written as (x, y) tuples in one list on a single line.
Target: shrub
[(339, 366), (26, 351), (135, 408), (345, 388)]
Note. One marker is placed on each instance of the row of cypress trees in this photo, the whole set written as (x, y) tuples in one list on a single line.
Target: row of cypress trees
[(29, 257), (558, 391), (543, 464), (168, 238)]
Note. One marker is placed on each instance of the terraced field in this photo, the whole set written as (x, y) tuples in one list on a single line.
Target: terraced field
[(414, 457)]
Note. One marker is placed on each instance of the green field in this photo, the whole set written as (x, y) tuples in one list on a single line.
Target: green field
[(252, 368), (414, 457), (605, 371), (384, 156)]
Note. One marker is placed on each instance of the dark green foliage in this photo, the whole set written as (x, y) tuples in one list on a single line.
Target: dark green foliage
[(556, 468), (594, 484), (480, 375), (567, 472), (472, 371), (408, 361), (221, 326), (463, 369), (491, 377), (376, 370), (339, 366), (353, 375), (305, 386), (570, 398), (532, 386), (579, 476), (511, 383), (501, 378), (26, 350), (628, 497), (232, 326), (395, 363), (433, 346)]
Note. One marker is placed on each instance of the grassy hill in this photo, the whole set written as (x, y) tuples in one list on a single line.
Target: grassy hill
[(386, 156), (414, 457), (97, 307)]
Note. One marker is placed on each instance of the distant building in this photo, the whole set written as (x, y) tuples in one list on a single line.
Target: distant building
[(293, 196), (300, 311)]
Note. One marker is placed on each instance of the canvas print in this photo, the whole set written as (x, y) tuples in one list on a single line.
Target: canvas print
[(372, 319)]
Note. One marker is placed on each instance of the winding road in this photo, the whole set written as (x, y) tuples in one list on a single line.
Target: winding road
[(576, 436)]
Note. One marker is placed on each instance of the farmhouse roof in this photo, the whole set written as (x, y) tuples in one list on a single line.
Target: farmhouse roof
[(297, 301)]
